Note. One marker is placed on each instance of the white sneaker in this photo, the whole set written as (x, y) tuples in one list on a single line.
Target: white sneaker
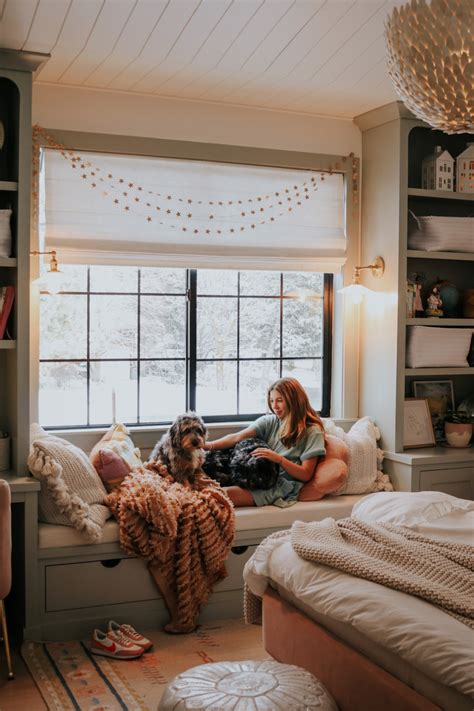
[(131, 634), (114, 645)]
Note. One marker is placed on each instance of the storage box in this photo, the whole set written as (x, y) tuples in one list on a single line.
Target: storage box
[(4, 453), (429, 347), (441, 234), (5, 233)]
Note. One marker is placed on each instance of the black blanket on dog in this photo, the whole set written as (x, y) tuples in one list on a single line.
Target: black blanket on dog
[(237, 467)]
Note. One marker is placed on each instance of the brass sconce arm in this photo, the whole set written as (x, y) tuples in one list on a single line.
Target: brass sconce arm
[(377, 267), (53, 262)]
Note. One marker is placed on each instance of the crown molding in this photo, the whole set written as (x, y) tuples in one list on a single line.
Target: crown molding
[(383, 114), (16, 60)]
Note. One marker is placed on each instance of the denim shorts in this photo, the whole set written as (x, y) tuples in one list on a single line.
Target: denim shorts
[(283, 494)]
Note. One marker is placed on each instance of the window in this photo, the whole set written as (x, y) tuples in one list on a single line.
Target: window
[(166, 340)]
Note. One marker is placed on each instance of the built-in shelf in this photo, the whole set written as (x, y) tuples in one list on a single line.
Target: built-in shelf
[(434, 321), (7, 262), (8, 185), (439, 371), (443, 194), (7, 345), (460, 256)]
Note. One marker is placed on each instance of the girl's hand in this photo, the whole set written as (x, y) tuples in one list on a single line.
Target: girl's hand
[(264, 453), (207, 446)]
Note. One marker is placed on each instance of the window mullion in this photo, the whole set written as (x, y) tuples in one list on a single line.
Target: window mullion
[(88, 347), (192, 339), (327, 343), (281, 324), (139, 308), (238, 343)]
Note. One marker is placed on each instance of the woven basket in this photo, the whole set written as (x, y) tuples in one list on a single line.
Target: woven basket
[(441, 234), (429, 347), (5, 233)]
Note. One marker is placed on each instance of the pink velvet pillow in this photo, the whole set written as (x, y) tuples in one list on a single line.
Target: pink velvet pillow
[(331, 471), (115, 456)]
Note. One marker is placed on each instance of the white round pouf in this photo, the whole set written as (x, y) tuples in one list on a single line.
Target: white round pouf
[(240, 686)]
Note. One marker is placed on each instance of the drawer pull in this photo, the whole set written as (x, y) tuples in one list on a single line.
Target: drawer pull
[(239, 550), (111, 562)]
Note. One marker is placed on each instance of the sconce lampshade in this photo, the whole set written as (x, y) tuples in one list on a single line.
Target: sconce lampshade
[(51, 281), (430, 57), (355, 292)]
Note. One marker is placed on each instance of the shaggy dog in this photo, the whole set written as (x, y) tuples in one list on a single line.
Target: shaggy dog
[(180, 449), (237, 467)]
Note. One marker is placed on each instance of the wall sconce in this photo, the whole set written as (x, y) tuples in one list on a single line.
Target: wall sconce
[(52, 280), (356, 291)]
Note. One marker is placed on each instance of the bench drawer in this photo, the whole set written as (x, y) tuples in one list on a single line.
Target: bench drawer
[(97, 583), (235, 563), (109, 582)]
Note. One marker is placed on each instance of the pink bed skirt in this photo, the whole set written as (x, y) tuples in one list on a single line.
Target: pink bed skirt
[(356, 683)]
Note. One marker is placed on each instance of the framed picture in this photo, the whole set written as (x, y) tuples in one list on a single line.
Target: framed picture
[(440, 396), (417, 426)]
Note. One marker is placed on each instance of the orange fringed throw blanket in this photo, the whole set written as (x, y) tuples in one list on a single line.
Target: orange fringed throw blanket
[(187, 531)]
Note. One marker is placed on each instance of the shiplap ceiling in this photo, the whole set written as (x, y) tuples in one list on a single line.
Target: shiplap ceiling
[(323, 57)]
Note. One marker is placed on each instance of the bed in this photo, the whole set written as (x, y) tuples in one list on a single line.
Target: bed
[(372, 646)]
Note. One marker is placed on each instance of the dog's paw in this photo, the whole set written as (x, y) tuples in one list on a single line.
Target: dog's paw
[(158, 467)]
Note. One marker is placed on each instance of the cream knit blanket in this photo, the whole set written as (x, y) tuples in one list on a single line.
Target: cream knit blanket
[(440, 572)]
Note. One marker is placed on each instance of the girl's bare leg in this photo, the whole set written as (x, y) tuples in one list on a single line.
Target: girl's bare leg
[(239, 496)]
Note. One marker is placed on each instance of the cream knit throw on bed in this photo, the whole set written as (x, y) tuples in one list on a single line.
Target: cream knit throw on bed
[(189, 532), (440, 572)]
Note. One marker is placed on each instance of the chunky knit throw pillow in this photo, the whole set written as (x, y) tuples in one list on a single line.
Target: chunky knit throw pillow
[(71, 491), (365, 457)]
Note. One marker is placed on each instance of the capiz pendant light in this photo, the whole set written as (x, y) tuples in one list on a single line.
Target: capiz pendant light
[(430, 56)]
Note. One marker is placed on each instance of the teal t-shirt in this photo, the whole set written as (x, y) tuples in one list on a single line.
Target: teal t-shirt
[(312, 444)]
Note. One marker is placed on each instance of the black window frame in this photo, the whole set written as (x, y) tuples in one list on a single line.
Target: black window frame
[(191, 359)]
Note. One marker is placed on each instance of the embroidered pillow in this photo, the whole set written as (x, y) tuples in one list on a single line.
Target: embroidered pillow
[(71, 491), (331, 471), (115, 456), (365, 457)]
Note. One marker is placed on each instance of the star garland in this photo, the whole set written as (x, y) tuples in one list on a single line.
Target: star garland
[(158, 207)]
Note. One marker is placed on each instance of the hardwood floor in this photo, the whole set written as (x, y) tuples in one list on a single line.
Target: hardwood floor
[(21, 693)]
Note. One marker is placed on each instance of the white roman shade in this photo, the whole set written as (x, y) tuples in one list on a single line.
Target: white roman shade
[(157, 212)]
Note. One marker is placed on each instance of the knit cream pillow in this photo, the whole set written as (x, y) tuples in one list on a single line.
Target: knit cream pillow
[(71, 491), (365, 457)]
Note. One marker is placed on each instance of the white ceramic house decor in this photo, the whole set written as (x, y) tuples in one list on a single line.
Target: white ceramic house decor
[(430, 59), (437, 171), (465, 170)]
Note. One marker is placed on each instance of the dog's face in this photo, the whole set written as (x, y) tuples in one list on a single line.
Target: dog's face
[(188, 432)]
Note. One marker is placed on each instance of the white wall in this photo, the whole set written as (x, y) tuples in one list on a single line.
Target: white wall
[(91, 110)]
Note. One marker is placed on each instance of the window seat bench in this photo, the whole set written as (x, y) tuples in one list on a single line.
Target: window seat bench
[(83, 585)]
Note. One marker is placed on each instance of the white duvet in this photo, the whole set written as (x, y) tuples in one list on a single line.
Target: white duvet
[(430, 640)]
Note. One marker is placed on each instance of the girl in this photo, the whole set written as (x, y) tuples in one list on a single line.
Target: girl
[(295, 435)]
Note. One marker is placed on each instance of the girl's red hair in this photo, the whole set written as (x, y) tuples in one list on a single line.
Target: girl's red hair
[(300, 413)]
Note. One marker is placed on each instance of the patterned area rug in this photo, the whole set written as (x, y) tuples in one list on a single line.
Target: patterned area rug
[(69, 677)]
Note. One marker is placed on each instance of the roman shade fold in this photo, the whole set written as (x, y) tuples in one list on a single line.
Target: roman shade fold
[(104, 208)]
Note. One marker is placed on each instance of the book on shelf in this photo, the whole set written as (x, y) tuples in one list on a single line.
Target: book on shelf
[(7, 294)]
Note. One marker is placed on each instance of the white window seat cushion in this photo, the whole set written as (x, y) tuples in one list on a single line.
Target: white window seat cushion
[(248, 519)]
